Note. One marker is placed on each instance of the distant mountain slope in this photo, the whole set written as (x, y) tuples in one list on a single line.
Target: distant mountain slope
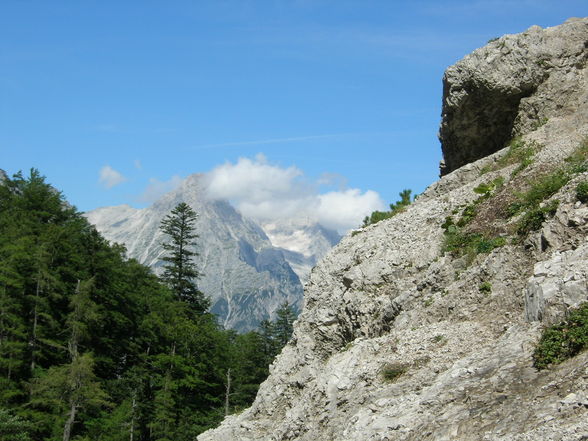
[(304, 242), (244, 274)]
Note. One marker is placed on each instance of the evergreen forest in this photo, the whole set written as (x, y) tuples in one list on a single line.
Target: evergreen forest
[(94, 346)]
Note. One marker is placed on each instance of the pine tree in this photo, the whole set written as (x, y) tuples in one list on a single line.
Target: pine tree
[(180, 272), (283, 326)]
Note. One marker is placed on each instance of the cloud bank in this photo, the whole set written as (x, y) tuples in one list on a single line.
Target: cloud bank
[(267, 192), (109, 177)]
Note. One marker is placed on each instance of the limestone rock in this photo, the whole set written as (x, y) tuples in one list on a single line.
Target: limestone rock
[(510, 86), (397, 339), (557, 284)]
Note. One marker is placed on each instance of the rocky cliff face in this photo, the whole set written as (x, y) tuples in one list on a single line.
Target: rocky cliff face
[(402, 339), (508, 87), (246, 276)]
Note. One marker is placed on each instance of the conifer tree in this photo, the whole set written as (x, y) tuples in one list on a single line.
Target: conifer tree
[(283, 326), (180, 272)]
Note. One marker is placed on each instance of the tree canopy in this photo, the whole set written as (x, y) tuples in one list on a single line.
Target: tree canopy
[(93, 346)]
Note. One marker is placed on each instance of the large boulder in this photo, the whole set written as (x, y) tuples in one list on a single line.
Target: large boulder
[(509, 87)]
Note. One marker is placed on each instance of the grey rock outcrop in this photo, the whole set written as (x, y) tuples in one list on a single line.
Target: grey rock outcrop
[(557, 284), (399, 340), (508, 86)]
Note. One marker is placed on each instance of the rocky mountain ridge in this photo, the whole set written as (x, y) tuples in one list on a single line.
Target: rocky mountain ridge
[(423, 326), (246, 276)]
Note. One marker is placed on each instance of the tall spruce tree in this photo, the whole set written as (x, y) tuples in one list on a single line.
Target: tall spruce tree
[(284, 324), (180, 272)]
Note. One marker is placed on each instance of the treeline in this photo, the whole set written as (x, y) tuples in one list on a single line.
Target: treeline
[(395, 208), (93, 346)]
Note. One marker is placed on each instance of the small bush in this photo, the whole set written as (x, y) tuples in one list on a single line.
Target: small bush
[(534, 218), (530, 201), (460, 243), (545, 187), (468, 213), (582, 192), (485, 287), (564, 340), (440, 338), (488, 187), (392, 372)]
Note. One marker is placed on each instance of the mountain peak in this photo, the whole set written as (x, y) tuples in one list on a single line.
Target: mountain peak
[(246, 274)]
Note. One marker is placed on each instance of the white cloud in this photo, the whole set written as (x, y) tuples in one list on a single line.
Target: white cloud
[(267, 192), (157, 188), (109, 177), (255, 180), (342, 210)]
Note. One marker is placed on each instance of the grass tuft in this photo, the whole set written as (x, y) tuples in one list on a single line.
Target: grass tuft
[(582, 192), (392, 372)]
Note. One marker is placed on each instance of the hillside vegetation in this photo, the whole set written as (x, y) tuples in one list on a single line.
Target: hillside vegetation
[(94, 347)]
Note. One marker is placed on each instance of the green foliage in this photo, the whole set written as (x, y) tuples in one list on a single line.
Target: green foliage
[(485, 287), (534, 218), (461, 243), (531, 202), (180, 271), (541, 188), (521, 153), (582, 192), (458, 241), (13, 427), (392, 372), (563, 340), (441, 339), (577, 162), (94, 347), (283, 326), (395, 208), (486, 188)]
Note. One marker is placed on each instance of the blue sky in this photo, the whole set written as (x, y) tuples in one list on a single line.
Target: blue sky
[(347, 92)]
